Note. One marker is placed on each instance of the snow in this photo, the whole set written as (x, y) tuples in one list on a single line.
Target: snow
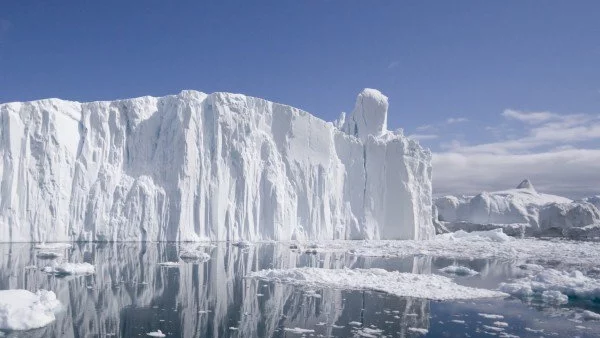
[(540, 213), (459, 270), (195, 166), (393, 282), (555, 286), (25, 310), (70, 269), (157, 333)]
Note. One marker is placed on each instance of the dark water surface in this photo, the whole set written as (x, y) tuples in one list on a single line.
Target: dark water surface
[(131, 294)]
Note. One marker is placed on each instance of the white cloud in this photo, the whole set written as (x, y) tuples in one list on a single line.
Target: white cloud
[(571, 172), (420, 137), (453, 120), (394, 64), (549, 150)]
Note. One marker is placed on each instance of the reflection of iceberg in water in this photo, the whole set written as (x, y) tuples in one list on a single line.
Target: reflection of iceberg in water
[(131, 294)]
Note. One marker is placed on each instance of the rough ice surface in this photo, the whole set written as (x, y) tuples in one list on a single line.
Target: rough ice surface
[(517, 210), (25, 310), (67, 268), (393, 282), (555, 286), (459, 270), (193, 166), (475, 246)]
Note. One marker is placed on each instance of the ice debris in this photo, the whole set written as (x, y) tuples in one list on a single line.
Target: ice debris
[(393, 282)]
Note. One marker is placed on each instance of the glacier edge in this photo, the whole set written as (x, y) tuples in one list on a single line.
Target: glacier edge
[(197, 166)]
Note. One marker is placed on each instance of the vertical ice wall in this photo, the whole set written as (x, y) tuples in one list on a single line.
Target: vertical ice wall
[(195, 166)]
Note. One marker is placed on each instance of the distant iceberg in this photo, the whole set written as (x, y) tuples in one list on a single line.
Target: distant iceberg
[(222, 166), (519, 211)]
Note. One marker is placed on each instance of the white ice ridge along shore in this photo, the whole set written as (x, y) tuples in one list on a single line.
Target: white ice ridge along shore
[(221, 166)]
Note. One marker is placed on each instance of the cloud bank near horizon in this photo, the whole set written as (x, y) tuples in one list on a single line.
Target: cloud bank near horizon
[(559, 153)]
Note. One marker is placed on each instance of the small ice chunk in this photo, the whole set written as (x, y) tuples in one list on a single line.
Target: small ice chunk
[(590, 315), (459, 270), (418, 330), (554, 297), (157, 333), (501, 324), (242, 244), (298, 330), (169, 264), (25, 310), (495, 235), (355, 323), (458, 321), (490, 316), (195, 255), (71, 269)]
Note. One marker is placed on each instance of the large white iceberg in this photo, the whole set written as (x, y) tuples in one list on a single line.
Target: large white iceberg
[(518, 210), (193, 166)]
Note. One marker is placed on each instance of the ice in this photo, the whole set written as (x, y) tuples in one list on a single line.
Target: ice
[(222, 166), (459, 270), (495, 235), (298, 330), (70, 269), (418, 330), (590, 315), (490, 316), (48, 254), (393, 282), (169, 264), (194, 255), (25, 310), (157, 333), (53, 246), (517, 210), (555, 286)]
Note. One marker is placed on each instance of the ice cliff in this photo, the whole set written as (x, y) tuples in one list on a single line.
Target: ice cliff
[(522, 208), (194, 167)]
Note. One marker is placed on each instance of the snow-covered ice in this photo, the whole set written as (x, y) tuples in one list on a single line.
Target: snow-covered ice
[(221, 166), (393, 282), (25, 310), (48, 254), (554, 286), (298, 330), (194, 255), (53, 246), (169, 264), (67, 268)]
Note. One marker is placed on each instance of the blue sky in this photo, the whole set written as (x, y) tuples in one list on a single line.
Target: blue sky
[(453, 70)]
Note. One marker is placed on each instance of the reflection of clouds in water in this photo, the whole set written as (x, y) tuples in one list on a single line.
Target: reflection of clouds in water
[(131, 294)]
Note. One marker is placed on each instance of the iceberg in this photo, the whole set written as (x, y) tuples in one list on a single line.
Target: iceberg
[(196, 166), (517, 211), (25, 310)]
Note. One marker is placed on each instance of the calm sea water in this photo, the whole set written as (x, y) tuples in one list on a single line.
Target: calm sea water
[(131, 294)]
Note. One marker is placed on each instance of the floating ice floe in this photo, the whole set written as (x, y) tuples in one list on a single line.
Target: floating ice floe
[(25, 310), (53, 246), (393, 282), (590, 315), (418, 330), (495, 235), (490, 316), (474, 246), (196, 255), (70, 269), (459, 270), (554, 286), (169, 264), (298, 330), (157, 333)]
